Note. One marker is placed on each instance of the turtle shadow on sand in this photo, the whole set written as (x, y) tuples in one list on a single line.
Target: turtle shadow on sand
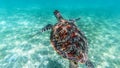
[(54, 64)]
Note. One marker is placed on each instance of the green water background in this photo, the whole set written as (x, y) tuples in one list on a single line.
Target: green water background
[(20, 20)]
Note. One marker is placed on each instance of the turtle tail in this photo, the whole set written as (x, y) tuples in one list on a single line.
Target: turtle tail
[(89, 64), (73, 64)]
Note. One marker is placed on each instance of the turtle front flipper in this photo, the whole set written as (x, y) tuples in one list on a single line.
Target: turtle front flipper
[(89, 64), (74, 20), (73, 64), (47, 27), (58, 15)]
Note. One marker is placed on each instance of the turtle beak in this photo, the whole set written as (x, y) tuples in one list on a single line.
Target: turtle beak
[(56, 11)]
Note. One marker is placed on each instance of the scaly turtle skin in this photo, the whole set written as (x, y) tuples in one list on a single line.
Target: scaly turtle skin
[(69, 41)]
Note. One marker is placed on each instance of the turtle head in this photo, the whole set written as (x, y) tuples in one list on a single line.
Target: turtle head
[(58, 15)]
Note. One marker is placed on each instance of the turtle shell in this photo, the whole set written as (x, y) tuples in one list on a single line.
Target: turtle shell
[(69, 42)]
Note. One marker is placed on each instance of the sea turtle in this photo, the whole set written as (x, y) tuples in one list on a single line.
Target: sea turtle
[(68, 41)]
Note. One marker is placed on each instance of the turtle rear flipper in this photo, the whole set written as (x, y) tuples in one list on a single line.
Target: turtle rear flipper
[(58, 15), (73, 64), (47, 27), (89, 64)]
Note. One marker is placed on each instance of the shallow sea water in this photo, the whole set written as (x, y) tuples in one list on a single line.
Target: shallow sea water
[(21, 47)]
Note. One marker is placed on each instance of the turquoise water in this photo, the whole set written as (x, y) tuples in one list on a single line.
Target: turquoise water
[(21, 47)]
